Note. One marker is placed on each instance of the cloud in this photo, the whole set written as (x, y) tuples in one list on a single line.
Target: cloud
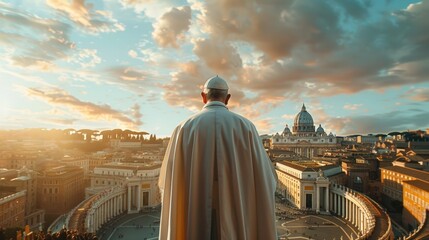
[(33, 41), (352, 107), (128, 74), (137, 115), (171, 27), (86, 58), (377, 123), (219, 56), (316, 49), (185, 87), (151, 8), (142, 82), (83, 15), (384, 122), (354, 8), (186, 84), (419, 94), (264, 126), (62, 121), (155, 57), (288, 116), (88, 110), (132, 54), (276, 27)]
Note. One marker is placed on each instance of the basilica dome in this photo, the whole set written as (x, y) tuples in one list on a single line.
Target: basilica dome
[(320, 129), (303, 121), (286, 131)]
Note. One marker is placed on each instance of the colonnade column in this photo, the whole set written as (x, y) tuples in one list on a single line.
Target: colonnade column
[(114, 206), (354, 215), (317, 199), (121, 203), (139, 195), (336, 203), (103, 213), (334, 197), (95, 220), (98, 217), (129, 199), (358, 217), (108, 209), (344, 207), (327, 203), (347, 209)]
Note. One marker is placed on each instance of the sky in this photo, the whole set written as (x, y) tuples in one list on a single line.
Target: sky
[(359, 66)]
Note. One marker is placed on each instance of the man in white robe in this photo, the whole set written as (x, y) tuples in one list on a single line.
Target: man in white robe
[(216, 179)]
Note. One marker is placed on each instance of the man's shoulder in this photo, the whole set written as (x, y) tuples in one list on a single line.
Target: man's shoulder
[(204, 117), (241, 118)]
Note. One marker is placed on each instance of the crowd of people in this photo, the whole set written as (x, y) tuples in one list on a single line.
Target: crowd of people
[(63, 234)]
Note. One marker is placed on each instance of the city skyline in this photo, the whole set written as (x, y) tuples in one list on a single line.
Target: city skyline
[(359, 66)]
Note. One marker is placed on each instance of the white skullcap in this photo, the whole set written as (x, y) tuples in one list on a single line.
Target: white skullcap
[(216, 83)]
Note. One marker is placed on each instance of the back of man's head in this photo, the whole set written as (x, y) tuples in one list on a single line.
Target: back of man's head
[(216, 89)]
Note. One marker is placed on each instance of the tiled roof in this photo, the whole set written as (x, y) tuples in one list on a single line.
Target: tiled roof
[(422, 175), (418, 183)]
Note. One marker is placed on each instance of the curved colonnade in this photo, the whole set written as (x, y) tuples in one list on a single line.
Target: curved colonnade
[(93, 212), (108, 205), (364, 214), (352, 206), (422, 232), (98, 209)]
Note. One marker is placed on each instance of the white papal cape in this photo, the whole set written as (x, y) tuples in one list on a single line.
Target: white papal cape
[(216, 146)]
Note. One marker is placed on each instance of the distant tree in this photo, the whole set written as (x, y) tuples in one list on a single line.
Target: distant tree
[(87, 134), (117, 133), (393, 133), (107, 135)]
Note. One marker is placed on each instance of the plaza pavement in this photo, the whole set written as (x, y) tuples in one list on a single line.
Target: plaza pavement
[(145, 226), (138, 226)]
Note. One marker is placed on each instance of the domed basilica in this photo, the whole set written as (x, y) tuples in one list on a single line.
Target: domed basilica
[(304, 139)]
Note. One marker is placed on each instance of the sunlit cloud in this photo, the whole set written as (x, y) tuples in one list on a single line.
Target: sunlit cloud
[(33, 41), (132, 53), (419, 94), (150, 8), (185, 85), (170, 28), (264, 126), (86, 58), (219, 56), (352, 107), (88, 110), (62, 121), (288, 116), (83, 14)]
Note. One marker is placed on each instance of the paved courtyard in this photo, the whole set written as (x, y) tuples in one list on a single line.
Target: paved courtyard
[(315, 227), (139, 226), (290, 225)]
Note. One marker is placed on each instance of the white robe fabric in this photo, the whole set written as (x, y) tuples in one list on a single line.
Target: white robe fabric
[(246, 179)]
